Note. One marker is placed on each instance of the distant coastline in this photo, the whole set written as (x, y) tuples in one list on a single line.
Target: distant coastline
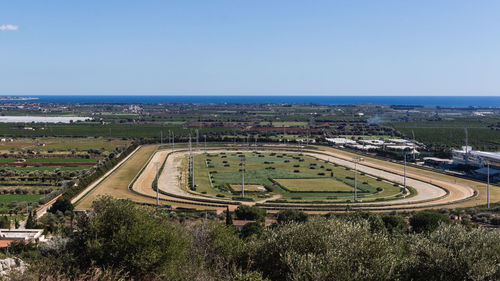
[(17, 98), (443, 101)]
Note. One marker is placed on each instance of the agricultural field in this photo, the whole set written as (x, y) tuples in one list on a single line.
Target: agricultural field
[(35, 170), (289, 176), (284, 124)]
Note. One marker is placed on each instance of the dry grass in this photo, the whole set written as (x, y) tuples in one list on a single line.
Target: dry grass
[(117, 183)]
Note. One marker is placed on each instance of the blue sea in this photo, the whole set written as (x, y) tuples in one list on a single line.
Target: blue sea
[(447, 101)]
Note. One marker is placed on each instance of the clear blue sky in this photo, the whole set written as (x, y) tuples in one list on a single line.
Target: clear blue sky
[(250, 47)]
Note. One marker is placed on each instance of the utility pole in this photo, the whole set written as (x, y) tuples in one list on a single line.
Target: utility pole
[(205, 136), (243, 176)]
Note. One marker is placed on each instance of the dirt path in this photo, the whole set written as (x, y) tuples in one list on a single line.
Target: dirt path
[(424, 190), (457, 191), (170, 182)]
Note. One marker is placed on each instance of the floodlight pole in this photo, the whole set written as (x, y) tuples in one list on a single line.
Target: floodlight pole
[(355, 181), (243, 177), (356, 161), (404, 172), (173, 141), (197, 141), (157, 189), (488, 190)]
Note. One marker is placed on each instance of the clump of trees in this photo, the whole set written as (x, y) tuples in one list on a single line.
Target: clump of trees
[(122, 240)]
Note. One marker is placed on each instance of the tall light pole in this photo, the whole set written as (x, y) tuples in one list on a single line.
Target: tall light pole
[(243, 176), (191, 162), (173, 141), (356, 161), (404, 174), (157, 189), (197, 141), (488, 190)]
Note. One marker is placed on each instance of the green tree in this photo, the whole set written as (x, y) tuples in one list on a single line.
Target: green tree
[(229, 217), (245, 212), (4, 222), (290, 215), (325, 249), (453, 252), (395, 224), (428, 220), (252, 229), (123, 235), (30, 221), (62, 204)]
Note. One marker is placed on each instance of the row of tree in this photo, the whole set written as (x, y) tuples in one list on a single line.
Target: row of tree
[(123, 240)]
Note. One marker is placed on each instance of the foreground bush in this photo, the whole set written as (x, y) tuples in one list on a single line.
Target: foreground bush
[(325, 249), (121, 235), (123, 241)]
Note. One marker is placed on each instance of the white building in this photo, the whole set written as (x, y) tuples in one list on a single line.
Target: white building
[(340, 141)]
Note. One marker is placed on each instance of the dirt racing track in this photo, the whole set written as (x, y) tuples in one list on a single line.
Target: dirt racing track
[(431, 191)]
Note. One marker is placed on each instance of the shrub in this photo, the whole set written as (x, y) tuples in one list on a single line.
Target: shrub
[(395, 224), (245, 212), (290, 215), (252, 229), (427, 220)]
